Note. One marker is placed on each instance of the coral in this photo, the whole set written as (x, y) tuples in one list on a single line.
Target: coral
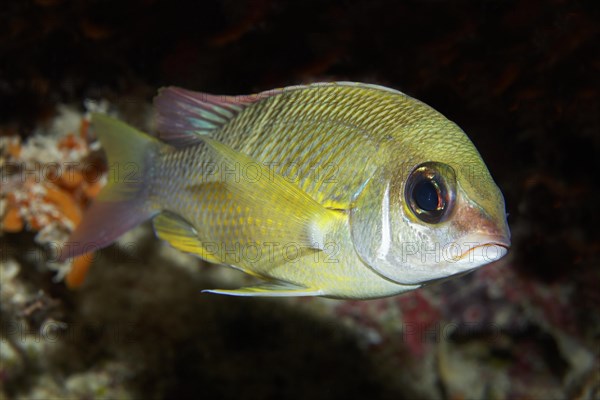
[(27, 322), (102, 382), (490, 334), (47, 182)]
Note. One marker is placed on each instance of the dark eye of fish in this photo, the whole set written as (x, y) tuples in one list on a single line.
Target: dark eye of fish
[(426, 195), (430, 192)]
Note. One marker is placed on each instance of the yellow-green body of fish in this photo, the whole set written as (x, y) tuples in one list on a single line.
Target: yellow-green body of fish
[(343, 190)]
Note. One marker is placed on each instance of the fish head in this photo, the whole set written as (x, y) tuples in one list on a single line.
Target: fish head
[(431, 213)]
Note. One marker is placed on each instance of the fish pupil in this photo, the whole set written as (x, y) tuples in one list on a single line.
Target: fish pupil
[(430, 192), (426, 195)]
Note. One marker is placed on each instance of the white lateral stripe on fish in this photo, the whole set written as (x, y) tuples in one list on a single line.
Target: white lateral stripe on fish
[(296, 185)]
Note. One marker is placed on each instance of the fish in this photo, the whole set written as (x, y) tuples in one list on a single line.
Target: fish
[(343, 190)]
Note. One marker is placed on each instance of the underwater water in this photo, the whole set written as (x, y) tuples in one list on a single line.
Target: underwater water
[(519, 77)]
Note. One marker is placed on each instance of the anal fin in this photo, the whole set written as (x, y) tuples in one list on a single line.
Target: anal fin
[(181, 235), (269, 289)]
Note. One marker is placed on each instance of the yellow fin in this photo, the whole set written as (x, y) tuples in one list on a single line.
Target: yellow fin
[(181, 235), (279, 210), (270, 289)]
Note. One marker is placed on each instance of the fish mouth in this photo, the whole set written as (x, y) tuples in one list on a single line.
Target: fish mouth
[(484, 250), (489, 251)]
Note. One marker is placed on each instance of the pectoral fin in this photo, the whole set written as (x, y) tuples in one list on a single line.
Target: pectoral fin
[(269, 289), (272, 208)]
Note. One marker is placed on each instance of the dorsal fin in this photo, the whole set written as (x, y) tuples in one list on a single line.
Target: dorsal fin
[(183, 115)]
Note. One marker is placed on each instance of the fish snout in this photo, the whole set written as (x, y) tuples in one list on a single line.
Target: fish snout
[(486, 238)]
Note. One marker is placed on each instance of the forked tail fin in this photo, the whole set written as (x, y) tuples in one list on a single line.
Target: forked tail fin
[(124, 202)]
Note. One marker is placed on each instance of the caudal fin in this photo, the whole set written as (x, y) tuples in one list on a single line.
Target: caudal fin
[(123, 203)]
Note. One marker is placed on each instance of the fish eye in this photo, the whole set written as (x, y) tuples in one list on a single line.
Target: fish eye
[(430, 192)]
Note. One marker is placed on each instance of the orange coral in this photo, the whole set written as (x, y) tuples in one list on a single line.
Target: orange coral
[(65, 202), (71, 179), (14, 147), (79, 270), (55, 197), (12, 221)]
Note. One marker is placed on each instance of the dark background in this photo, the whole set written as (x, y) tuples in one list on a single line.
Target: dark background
[(520, 77)]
